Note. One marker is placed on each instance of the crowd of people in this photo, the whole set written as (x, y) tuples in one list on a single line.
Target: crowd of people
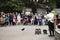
[(20, 18), (16, 18)]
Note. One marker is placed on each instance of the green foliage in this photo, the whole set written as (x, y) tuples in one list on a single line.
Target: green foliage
[(11, 4), (52, 3), (20, 4)]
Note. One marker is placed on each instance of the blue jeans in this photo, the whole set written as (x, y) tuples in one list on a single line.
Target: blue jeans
[(40, 21)]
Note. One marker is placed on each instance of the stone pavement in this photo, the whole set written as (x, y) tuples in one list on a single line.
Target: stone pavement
[(15, 33)]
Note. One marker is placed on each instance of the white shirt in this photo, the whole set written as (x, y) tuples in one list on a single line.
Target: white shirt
[(50, 17), (39, 16), (18, 18)]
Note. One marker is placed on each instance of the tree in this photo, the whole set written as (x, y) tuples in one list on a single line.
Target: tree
[(52, 3), (11, 5)]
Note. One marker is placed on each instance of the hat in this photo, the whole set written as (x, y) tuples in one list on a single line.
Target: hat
[(53, 11)]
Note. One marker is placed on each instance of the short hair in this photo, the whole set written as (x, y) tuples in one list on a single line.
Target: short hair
[(50, 9)]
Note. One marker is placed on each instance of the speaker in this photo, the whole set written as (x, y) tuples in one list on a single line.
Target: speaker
[(45, 31), (37, 31)]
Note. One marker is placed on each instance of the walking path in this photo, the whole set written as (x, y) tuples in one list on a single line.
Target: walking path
[(15, 33)]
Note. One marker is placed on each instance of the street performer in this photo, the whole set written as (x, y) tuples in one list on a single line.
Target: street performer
[(50, 18)]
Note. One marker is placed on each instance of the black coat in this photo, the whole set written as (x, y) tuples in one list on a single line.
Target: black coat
[(35, 21)]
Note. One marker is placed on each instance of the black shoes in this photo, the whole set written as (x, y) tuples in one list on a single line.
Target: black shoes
[(51, 35)]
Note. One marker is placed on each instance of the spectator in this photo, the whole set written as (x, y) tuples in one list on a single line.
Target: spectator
[(25, 21), (14, 20), (1, 20), (18, 19), (32, 20), (3, 15), (35, 20), (40, 19), (6, 19), (11, 19), (29, 18)]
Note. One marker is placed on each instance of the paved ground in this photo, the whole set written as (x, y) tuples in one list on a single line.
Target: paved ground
[(15, 33)]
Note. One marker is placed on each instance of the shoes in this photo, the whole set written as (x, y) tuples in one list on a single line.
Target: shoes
[(50, 35), (53, 35)]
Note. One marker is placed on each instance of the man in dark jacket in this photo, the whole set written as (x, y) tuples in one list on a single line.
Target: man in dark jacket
[(11, 19)]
